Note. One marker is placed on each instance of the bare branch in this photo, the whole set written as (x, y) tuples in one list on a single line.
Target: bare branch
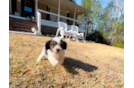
[(115, 16), (121, 11), (116, 2)]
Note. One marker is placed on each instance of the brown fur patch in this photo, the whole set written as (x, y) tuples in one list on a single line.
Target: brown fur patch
[(53, 44), (63, 44)]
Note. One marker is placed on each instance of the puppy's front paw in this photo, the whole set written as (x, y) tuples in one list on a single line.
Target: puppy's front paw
[(54, 63)]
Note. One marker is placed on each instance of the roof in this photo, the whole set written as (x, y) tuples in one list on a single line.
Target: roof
[(78, 6), (73, 1), (66, 5)]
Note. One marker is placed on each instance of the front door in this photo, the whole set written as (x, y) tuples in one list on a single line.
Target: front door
[(27, 8), (13, 6)]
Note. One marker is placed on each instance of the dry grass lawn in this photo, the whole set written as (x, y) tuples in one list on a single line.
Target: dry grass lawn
[(87, 65)]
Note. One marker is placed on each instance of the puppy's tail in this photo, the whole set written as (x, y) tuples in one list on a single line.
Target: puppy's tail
[(58, 30)]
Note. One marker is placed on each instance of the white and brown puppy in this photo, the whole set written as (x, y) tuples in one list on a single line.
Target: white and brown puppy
[(54, 50)]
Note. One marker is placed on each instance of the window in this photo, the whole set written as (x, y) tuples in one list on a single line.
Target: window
[(28, 9), (9, 7)]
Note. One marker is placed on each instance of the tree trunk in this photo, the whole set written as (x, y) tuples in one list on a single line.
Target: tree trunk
[(91, 29), (117, 23), (116, 11), (120, 12), (115, 16)]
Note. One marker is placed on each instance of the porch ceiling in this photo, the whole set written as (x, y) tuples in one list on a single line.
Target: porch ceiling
[(66, 5)]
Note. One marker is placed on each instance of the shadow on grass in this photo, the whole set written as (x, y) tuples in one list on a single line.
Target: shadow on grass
[(71, 64)]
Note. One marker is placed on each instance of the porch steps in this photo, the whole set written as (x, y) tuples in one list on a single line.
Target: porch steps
[(16, 32), (21, 25)]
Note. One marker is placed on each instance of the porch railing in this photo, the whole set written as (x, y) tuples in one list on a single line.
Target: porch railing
[(43, 11)]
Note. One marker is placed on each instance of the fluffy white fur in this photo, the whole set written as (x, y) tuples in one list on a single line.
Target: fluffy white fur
[(53, 57)]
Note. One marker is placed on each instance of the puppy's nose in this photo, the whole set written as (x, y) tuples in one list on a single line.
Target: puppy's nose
[(58, 50)]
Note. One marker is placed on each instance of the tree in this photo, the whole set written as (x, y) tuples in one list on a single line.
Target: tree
[(92, 18), (108, 21), (115, 19)]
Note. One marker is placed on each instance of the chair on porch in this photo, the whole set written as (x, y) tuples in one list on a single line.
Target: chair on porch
[(63, 30), (75, 33)]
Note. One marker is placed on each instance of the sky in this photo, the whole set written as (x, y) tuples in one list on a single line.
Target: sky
[(105, 2), (103, 5)]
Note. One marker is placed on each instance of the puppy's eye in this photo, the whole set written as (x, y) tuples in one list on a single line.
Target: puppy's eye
[(54, 43)]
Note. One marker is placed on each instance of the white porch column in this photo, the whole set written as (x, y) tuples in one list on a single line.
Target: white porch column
[(37, 18), (74, 17), (58, 11), (39, 22), (36, 8)]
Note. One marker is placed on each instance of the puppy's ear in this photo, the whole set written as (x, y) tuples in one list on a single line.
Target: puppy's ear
[(64, 45), (48, 44)]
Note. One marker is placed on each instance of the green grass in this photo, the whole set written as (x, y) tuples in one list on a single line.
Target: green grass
[(121, 45), (125, 27)]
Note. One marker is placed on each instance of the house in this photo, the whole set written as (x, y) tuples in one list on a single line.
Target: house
[(47, 14)]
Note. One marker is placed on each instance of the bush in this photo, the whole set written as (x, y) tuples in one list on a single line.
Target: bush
[(97, 37)]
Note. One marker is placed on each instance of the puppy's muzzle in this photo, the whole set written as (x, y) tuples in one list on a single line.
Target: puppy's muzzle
[(58, 50)]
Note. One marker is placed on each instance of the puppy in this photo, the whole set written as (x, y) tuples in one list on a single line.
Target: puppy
[(54, 50)]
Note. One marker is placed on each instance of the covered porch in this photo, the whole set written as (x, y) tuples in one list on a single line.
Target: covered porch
[(50, 12)]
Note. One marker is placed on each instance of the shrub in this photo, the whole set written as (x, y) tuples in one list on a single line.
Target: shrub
[(97, 37)]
